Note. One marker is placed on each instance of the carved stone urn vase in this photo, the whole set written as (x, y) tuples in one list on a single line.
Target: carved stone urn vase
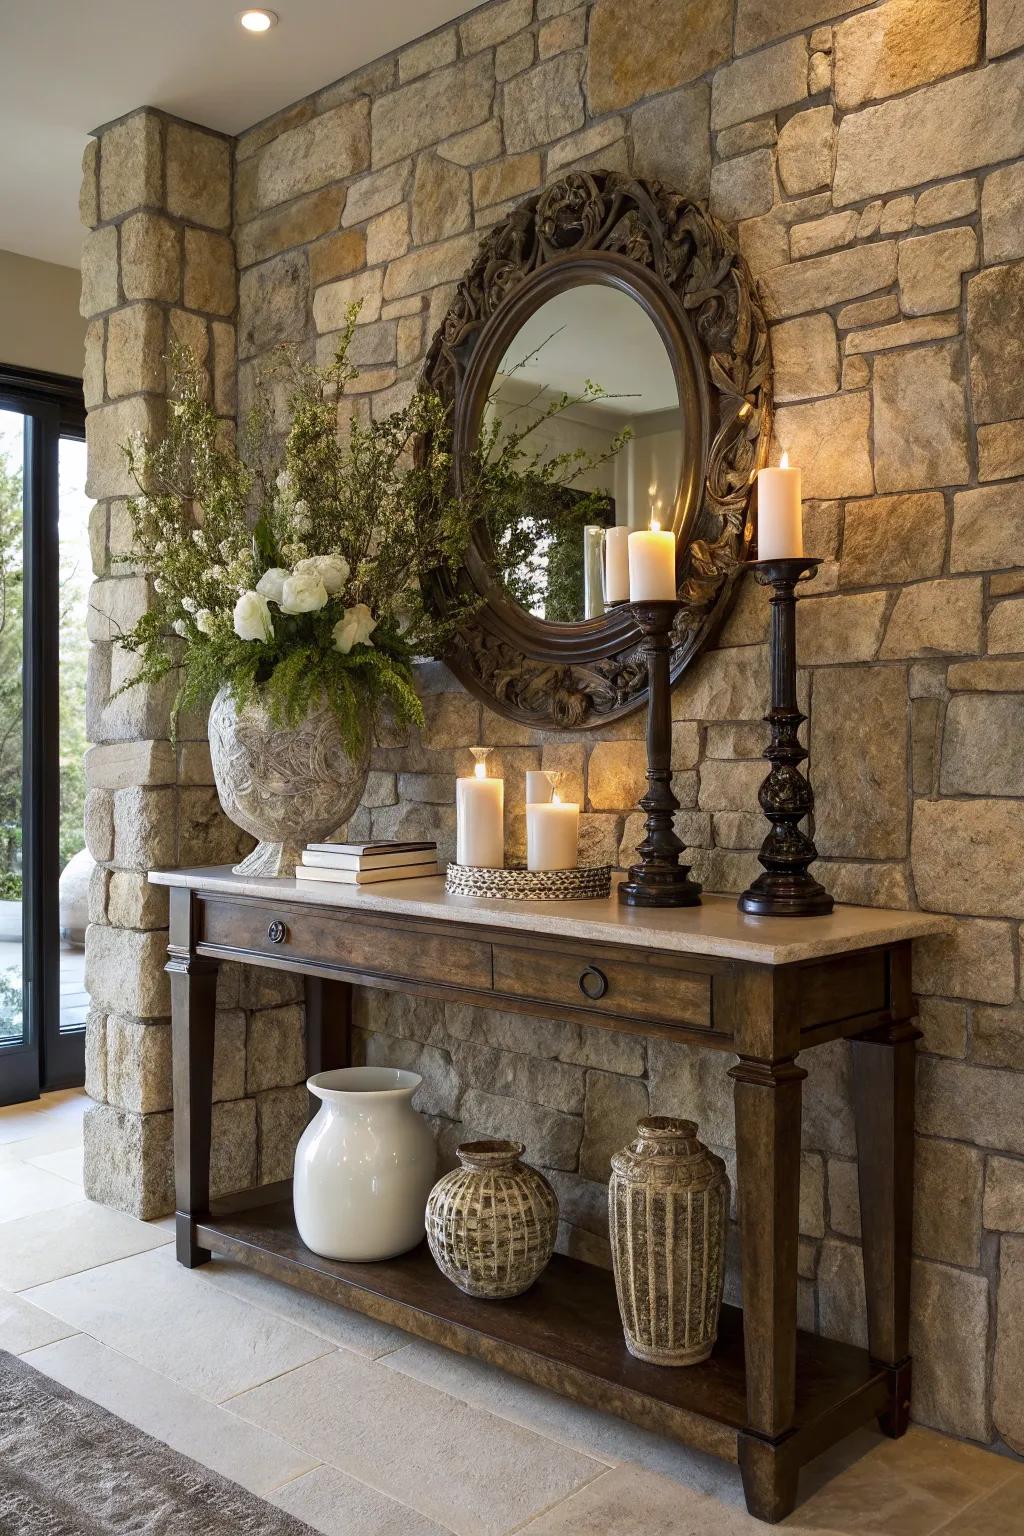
[(286, 786), (492, 1223), (668, 1204)]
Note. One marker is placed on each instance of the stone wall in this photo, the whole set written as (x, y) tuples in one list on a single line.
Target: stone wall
[(158, 265), (870, 157)]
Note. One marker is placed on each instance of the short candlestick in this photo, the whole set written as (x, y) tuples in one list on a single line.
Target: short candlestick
[(659, 879), (785, 889)]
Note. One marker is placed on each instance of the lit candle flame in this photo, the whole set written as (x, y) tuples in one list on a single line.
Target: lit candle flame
[(655, 523), (556, 798), (480, 769), (784, 461)]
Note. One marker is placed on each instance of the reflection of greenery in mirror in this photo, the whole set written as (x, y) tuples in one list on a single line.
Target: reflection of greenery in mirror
[(584, 412)]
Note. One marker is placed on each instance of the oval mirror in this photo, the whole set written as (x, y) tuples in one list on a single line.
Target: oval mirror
[(607, 332)]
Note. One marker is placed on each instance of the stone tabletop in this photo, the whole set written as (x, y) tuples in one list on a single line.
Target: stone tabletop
[(715, 928)]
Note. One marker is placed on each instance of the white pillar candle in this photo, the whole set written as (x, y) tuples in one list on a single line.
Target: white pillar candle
[(652, 564), (480, 818), (538, 787), (616, 564), (552, 835), (780, 533)]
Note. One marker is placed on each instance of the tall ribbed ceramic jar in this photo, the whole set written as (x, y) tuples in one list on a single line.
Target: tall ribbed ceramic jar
[(668, 1204), (492, 1223)]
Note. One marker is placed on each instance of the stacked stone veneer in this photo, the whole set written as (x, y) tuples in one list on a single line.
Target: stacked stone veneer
[(870, 157)]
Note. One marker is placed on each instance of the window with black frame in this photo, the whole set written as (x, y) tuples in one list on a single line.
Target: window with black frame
[(44, 868)]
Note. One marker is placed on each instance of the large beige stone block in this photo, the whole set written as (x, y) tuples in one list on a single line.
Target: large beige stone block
[(376, 193), (884, 338), (995, 336), (138, 1064), (866, 885), (1008, 1366), (998, 1038), (941, 130), (893, 539), (860, 778), (643, 47), (209, 272), (988, 526), (124, 971), (728, 786), (981, 745), (433, 52), (545, 103), (295, 223), (133, 903), (1002, 213), (948, 1179), (440, 205), (805, 357), (1006, 628), (130, 762), (96, 1055), (841, 1299), (431, 109), (129, 1161), (327, 148), (551, 1138), (949, 1321), (751, 87), (730, 684), (931, 267), (145, 828), (975, 961), (1003, 1209), (613, 1107), (893, 48), (827, 280), (935, 618), (806, 148), (513, 176), (198, 175), (233, 1150), (106, 430), (276, 1049), (281, 1119), (430, 267), (920, 418), (966, 858), (131, 165), (672, 141), (1004, 26), (943, 1025), (744, 187), (494, 24), (953, 200), (829, 439), (761, 21), (89, 193), (272, 301), (135, 351), (99, 272), (1001, 450)]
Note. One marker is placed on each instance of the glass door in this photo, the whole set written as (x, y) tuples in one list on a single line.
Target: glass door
[(44, 579)]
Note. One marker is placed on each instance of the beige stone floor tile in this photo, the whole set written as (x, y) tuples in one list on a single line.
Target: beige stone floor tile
[(52, 1244), (906, 1487), (170, 1413), (165, 1317), (629, 1501), (996, 1514), (26, 1189), (346, 1329), (600, 1435), (24, 1327), (66, 1164), (337, 1505), (456, 1465)]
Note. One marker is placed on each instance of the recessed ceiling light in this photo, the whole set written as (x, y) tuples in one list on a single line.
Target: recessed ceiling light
[(258, 21)]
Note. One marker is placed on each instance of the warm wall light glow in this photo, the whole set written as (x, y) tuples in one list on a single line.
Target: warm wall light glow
[(258, 21), (784, 461)]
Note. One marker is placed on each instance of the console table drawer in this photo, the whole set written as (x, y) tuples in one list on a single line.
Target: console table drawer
[(328, 938), (654, 992)]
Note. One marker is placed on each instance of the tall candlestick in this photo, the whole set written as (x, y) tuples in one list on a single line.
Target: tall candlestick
[(552, 835), (616, 564), (780, 533), (652, 565), (479, 811)]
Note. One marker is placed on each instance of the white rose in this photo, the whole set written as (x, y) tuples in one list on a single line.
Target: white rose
[(189, 604), (180, 627), (355, 628), (198, 537), (331, 569), (252, 617), (303, 593), (204, 621), (271, 583)]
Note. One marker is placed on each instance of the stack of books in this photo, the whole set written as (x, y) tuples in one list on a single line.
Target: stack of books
[(366, 863)]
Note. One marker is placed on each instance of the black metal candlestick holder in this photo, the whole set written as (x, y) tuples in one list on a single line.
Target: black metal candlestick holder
[(785, 889), (659, 879)]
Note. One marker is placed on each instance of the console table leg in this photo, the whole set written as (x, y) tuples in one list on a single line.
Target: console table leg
[(193, 1012), (767, 1102), (883, 1094), (328, 1024)]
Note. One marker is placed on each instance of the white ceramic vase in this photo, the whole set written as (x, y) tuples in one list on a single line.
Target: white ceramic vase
[(364, 1166)]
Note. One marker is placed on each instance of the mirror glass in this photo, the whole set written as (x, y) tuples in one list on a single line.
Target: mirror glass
[(584, 412)]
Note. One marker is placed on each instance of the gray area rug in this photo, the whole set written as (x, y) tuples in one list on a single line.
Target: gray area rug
[(69, 1468)]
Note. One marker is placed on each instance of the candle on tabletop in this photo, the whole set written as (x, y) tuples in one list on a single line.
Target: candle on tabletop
[(616, 564), (780, 534), (538, 787), (552, 835), (480, 809), (652, 564)]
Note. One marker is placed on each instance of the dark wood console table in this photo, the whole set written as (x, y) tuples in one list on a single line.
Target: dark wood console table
[(761, 990)]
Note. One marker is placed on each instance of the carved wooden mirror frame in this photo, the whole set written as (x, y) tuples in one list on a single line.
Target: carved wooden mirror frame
[(683, 269)]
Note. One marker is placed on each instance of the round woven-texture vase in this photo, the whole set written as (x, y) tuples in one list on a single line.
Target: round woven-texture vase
[(491, 1223), (668, 1204), (286, 786)]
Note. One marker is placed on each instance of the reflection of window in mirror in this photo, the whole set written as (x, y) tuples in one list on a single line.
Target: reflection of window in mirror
[(612, 449)]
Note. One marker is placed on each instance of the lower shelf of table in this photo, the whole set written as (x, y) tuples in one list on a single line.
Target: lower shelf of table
[(564, 1334)]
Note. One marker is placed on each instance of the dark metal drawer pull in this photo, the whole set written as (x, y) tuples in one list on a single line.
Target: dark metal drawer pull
[(593, 983), (277, 932)]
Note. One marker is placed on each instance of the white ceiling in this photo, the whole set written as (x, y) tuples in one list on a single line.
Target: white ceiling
[(68, 66)]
